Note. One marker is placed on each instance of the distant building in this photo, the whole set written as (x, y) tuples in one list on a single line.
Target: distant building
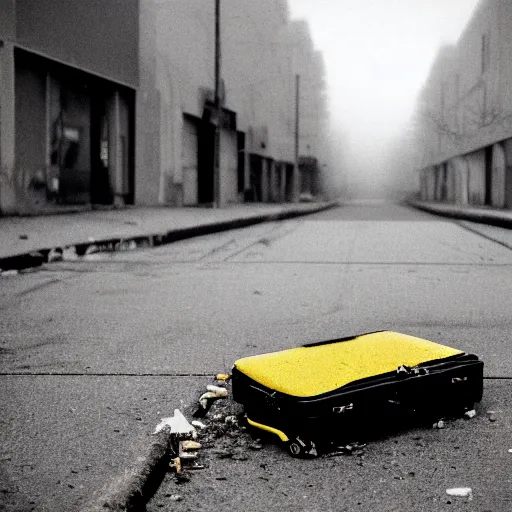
[(175, 116), (464, 117), (68, 75)]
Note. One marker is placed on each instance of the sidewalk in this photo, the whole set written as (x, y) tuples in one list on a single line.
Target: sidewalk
[(30, 241), (484, 215)]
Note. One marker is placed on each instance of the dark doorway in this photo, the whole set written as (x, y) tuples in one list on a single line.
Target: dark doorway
[(206, 147), (488, 175), (101, 189)]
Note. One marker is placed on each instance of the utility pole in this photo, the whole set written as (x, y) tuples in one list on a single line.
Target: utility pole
[(295, 181), (217, 107)]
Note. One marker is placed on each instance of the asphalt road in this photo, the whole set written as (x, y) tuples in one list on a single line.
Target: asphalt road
[(128, 337)]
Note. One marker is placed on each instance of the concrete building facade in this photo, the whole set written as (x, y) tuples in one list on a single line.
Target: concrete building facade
[(67, 102), (175, 117), (464, 121), (115, 104)]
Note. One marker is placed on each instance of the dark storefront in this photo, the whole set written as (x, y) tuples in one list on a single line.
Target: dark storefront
[(75, 70)]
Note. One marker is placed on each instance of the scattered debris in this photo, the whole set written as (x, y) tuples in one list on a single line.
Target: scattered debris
[(55, 255), (187, 456), (470, 414), (188, 445), (196, 466), (218, 391), (206, 400), (69, 254), (92, 249), (461, 492), (7, 273), (176, 465), (492, 416), (256, 446), (177, 424)]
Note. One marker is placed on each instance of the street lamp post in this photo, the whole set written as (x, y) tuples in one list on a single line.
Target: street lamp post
[(216, 165), (295, 181)]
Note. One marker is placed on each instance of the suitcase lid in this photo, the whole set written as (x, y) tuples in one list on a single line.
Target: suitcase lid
[(319, 368)]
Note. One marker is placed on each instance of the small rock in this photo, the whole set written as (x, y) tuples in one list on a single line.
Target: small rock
[(461, 492), (439, 424), (240, 456), (23, 237), (255, 446), (470, 414), (176, 497)]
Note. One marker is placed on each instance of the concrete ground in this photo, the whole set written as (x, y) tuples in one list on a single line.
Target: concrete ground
[(95, 352)]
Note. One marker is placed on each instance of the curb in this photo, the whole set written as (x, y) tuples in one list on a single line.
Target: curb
[(492, 218), (36, 258), (131, 490)]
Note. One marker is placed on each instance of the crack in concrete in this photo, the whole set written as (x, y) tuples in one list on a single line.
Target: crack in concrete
[(102, 374)]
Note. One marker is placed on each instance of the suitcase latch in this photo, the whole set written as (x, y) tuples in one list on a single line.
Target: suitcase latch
[(343, 408), (409, 371)]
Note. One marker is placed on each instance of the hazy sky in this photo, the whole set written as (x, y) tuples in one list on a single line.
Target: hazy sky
[(378, 54)]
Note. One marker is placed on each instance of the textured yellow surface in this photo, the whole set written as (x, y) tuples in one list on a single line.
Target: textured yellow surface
[(309, 371)]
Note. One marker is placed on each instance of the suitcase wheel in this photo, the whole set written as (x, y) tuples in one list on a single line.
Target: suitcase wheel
[(298, 447)]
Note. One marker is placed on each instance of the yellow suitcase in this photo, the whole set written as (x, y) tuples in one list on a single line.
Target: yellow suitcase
[(329, 389)]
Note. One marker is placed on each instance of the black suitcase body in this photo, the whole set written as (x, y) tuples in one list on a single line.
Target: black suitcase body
[(442, 381)]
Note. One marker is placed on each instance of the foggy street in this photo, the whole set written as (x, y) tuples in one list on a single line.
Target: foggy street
[(185, 184), (96, 352)]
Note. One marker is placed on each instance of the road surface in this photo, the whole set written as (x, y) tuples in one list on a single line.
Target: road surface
[(127, 337)]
